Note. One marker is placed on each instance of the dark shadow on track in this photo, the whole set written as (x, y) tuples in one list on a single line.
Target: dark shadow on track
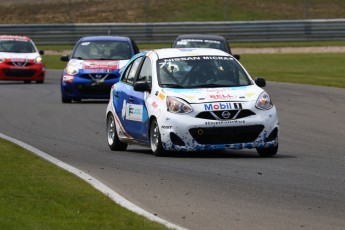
[(90, 101), (248, 154)]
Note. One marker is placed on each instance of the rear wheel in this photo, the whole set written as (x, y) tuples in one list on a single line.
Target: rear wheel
[(113, 139), (155, 139), (267, 152), (40, 82)]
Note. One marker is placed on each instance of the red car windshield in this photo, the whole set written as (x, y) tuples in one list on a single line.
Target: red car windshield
[(16, 46)]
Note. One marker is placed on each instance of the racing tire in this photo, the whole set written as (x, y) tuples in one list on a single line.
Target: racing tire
[(65, 100), (27, 82), (40, 82), (267, 152), (155, 139), (113, 139)]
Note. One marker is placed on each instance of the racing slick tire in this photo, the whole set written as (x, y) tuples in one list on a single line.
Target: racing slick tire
[(267, 152), (155, 139), (113, 140)]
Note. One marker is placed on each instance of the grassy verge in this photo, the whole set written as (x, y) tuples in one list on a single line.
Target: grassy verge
[(324, 69), (287, 44), (95, 11), (53, 62), (35, 194)]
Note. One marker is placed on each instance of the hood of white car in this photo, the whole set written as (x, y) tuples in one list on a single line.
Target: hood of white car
[(206, 95), (97, 64)]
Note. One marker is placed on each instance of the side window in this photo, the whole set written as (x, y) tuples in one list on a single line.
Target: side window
[(131, 71), (125, 75), (146, 72), (243, 79)]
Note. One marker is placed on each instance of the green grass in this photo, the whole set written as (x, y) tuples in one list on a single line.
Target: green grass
[(53, 62), (98, 11), (35, 194), (55, 47), (324, 69), (287, 44)]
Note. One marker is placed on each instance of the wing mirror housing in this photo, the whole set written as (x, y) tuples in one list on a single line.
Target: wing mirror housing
[(261, 82), (64, 58), (237, 56), (141, 86)]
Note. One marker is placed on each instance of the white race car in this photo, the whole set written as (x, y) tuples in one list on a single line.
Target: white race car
[(190, 100)]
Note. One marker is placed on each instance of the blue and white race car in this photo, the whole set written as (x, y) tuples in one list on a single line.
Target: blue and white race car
[(190, 100), (94, 67)]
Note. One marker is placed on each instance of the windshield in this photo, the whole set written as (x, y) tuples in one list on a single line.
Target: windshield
[(201, 43), (102, 50), (16, 46), (201, 72)]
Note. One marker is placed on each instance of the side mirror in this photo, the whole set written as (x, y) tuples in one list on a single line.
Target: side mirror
[(261, 82), (41, 52), (64, 58), (237, 56), (141, 86)]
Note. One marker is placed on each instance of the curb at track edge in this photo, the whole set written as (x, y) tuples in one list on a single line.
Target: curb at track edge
[(117, 198)]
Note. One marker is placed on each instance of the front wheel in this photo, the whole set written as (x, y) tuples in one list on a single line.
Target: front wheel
[(155, 139), (113, 139), (267, 152)]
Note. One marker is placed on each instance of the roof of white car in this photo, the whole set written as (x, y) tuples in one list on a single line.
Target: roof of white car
[(184, 52)]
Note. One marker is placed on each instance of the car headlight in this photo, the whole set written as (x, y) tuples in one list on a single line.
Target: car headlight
[(264, 101), (71, 70), (2, 60), (176, 105), (38, 60)]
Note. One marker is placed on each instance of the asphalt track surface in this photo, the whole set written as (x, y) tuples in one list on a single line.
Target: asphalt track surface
[(303, 187)]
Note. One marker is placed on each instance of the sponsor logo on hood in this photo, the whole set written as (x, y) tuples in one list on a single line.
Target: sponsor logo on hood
[(101, 65), (215, 94)]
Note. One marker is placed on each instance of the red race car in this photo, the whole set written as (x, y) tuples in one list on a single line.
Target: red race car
[(20, 60)]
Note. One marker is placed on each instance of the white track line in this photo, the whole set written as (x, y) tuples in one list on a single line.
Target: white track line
[(94, 182)]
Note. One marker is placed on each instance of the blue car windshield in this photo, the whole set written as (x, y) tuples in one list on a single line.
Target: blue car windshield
[(102, 50), (201, 72)]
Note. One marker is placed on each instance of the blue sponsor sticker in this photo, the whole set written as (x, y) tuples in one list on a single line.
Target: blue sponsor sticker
[(218, 106)]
